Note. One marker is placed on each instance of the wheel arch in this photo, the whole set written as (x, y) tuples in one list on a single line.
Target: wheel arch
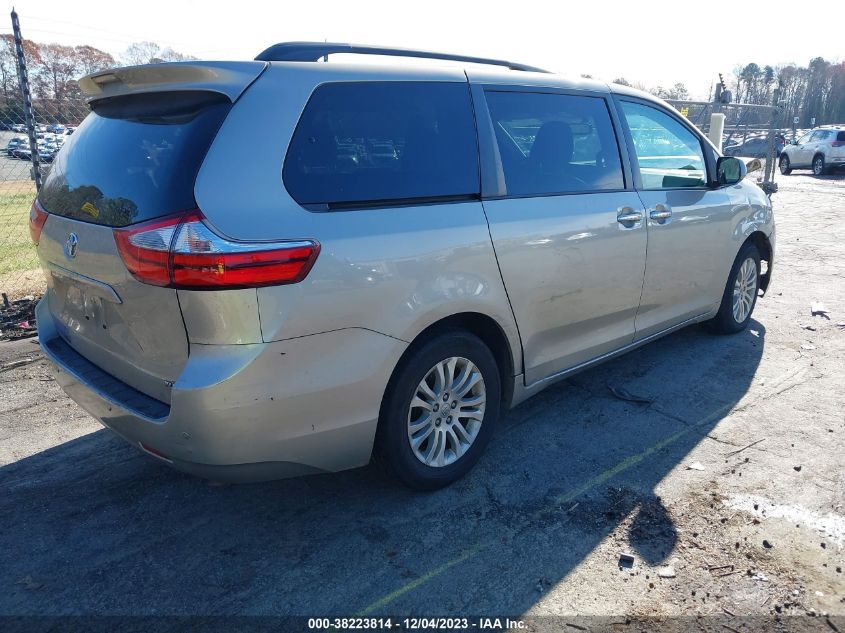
[(764, 246), (485, 328)]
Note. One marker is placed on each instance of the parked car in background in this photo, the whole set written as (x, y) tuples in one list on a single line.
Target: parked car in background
[(24, 152), (821, 149), (21, 150), (278, 267), (14, 143), (756, 147), (48, 150)]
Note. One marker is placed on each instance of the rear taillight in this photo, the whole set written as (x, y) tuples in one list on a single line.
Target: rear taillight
[(838, 143), (183, 252), (37, 218)]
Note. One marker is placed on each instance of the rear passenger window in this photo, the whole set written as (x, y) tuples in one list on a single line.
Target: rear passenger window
[(377, 143), (553, 143)]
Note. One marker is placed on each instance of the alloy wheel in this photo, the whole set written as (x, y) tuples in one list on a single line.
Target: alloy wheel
[(745, 290), (446, 412)]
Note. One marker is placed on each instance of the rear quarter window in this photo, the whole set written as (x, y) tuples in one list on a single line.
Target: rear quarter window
[(378, 143)]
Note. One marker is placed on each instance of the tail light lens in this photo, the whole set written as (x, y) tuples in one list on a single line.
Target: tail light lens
[(838, 143), (184, 252), (37, 218)]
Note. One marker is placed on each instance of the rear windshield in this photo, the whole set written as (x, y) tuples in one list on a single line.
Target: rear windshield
[(840, 136), (134, 158)]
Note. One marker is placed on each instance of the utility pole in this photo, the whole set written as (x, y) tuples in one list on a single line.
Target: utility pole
[(768, 185), (717, 96), (23, 80)]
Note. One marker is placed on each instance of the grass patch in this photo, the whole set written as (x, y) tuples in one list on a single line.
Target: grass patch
[(16, 249)]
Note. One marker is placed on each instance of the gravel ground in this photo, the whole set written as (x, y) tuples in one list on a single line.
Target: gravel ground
[(728, 490)]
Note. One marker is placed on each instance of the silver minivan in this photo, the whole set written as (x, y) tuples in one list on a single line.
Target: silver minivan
[(270, 268)]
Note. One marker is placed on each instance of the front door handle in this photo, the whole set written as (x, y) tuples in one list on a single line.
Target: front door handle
[(660, 213), (628, 215)]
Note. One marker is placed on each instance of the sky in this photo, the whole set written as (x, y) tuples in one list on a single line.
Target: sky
[(651, 42)]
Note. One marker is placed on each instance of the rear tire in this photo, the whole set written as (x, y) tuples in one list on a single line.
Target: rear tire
[(740, 295), (785, 169), (424, 402), (819, 168)]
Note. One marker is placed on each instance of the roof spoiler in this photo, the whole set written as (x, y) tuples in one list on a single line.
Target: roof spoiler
[(226, 78), (314, 51)]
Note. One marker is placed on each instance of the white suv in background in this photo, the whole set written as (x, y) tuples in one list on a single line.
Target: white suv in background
[(821, 150)]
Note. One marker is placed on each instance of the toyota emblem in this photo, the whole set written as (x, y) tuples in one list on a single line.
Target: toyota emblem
[(71, 245)]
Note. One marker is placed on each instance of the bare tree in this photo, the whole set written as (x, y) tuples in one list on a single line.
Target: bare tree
[(140, 53), (57, 68), (835, 111), (8, 66), (9, 63), (151, 53), (169, 55), (678, 91), (90, 60)]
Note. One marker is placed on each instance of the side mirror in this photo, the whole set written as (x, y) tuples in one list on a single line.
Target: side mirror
[(794, 141), (730, 170)]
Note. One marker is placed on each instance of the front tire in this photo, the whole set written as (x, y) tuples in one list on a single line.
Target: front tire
[(785, 169), (740, 295), (439, 412)]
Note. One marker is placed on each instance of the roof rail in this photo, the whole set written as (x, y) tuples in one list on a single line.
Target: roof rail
[(313, 51)]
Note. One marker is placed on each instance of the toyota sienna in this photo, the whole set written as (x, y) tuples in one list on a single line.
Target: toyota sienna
[(270, 268)]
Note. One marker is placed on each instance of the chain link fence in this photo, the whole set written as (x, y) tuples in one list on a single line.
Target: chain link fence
[(750, 131), (742, 120), (32, 131), (53, 123)]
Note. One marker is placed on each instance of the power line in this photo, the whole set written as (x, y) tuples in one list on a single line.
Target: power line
[(185, 48), (74, 35), (131, 37)]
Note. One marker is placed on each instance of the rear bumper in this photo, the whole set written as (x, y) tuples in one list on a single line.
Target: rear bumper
[(246, 412)]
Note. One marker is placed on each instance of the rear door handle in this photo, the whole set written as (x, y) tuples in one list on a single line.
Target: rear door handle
[(628, 215), (660, 212)]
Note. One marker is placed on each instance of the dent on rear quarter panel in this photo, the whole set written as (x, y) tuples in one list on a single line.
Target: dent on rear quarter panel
[(221, 317), (310, 400), (393, 271)]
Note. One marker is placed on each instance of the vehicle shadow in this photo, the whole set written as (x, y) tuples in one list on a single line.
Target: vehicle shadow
[(94, 527)]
